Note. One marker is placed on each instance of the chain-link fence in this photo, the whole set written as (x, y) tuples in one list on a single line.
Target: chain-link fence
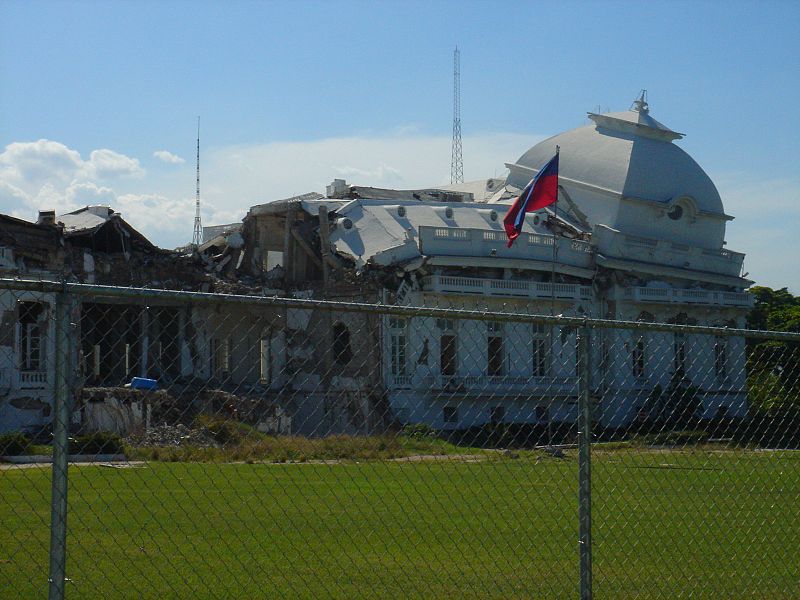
[(212, 446)]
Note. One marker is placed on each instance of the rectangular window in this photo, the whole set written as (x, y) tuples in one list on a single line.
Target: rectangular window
[(542, 414), (494, 349), (497, 414), (448, 354), (221, 357), (541, 350), (679, 349), (263, 361), (397, 350), (158, 353), (495, 352), (450, 414), (31, 347), (446, 324), (96, 360), (721, 357), (569, 336), (638, 357), (128, 359)]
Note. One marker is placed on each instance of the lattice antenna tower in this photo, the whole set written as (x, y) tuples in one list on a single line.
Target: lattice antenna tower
[(197, 238), (457, 160)]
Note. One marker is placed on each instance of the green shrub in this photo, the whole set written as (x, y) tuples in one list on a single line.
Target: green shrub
[(100, 442), (13, 444), (418, 431), (227, 432)]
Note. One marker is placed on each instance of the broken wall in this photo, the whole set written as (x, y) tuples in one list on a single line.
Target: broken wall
[(26, 379)]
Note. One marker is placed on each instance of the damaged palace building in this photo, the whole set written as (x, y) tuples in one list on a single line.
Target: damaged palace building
[(637, 235), (90, 245)]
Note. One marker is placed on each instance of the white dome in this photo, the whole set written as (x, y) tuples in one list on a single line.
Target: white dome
[(627, 153)]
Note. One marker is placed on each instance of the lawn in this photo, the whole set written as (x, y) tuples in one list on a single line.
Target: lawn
[(667, 524)]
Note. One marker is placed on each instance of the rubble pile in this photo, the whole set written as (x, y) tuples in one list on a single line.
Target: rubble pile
[(177, 435)]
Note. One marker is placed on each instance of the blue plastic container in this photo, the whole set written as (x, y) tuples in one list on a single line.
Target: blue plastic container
[(142, 383)]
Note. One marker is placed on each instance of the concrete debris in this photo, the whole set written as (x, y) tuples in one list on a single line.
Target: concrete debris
[(174, 435)]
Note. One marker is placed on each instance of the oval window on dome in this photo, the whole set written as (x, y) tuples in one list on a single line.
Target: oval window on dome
[(676, 212)]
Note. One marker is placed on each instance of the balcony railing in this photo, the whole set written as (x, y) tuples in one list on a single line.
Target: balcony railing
[(500, 384), (455, 241), (32, 379), (684, 296), (402, 381), (449, 284), (615, 244)]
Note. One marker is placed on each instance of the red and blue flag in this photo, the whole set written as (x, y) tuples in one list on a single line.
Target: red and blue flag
[(540, 192)]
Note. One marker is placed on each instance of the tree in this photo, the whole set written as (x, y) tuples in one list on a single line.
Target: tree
[(774, 366)]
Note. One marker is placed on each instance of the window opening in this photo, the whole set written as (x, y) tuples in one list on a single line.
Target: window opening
[(541, 349), (221, 356), (721, 357), (494, 349), (448, 354), (397, 353), (679, 349), (264, 361), (31, 348), (497, 414), (638, 357), (450, 414), (342, 353)]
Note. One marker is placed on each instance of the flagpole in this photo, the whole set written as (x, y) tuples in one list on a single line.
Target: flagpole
[(553, 304), (555, 253)]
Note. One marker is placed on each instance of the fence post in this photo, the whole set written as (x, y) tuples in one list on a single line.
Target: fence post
[(61, 418), (584, 466)]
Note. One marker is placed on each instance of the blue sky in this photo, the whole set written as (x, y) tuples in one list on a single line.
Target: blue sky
[(293, 94)]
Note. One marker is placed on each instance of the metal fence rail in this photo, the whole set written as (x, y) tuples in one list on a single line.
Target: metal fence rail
[(214, 446)]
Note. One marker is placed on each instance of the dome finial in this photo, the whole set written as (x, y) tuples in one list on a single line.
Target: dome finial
[(640, 105)]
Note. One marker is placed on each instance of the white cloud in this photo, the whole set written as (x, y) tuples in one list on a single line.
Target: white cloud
[(247, 175), (106, 163), (382, 172), (30, 165), (43, 170), (87, 193), (168, 157)]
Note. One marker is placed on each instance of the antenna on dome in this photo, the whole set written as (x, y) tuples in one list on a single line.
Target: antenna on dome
[(457, 160), (640, 104), (197, 238)]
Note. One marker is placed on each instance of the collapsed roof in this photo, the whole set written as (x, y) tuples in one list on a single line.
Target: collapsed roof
[(101, 229)]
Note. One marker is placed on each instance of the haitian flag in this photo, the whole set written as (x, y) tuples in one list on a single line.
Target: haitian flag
[(540, 192)]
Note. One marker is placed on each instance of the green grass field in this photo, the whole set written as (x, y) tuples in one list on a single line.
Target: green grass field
[(667, 524)]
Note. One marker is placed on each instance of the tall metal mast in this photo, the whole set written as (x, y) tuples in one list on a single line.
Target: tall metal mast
[(457, 161), (197, 238)]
